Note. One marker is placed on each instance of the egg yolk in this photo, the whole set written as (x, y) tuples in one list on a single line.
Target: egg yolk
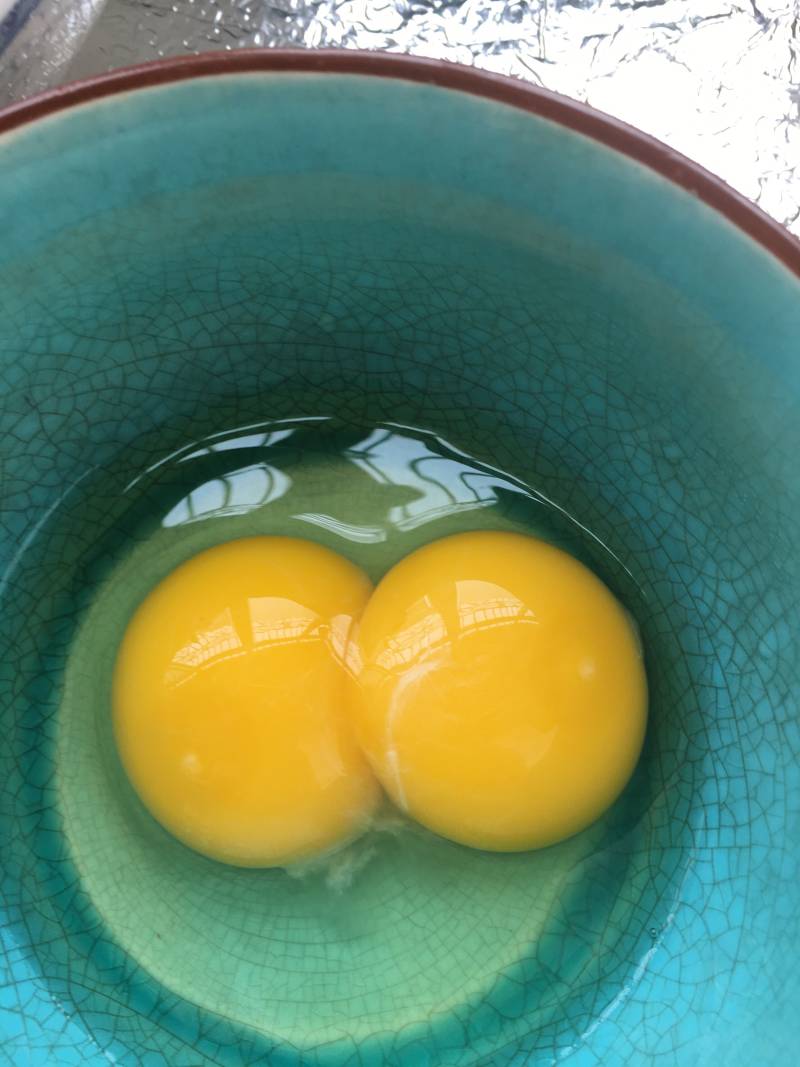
[(229, 702), (498, 690)]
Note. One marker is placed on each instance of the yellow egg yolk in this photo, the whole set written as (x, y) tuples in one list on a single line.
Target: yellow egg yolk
[(228, 702), (498, 690)]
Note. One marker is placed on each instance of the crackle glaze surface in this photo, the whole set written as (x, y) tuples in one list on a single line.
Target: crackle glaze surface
[(301, 245)]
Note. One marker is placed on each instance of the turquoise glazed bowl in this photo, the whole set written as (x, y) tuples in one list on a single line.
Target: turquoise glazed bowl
[(214, 269)]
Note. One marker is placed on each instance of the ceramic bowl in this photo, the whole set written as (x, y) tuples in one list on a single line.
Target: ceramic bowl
[(207, 249)]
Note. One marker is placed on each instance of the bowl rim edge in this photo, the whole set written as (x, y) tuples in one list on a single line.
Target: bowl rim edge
[(580, 118)]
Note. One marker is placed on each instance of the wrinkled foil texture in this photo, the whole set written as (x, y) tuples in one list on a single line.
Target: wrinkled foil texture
[(717, 80)]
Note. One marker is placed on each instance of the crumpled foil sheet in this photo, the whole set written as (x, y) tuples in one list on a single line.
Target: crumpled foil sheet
[(717, 79)]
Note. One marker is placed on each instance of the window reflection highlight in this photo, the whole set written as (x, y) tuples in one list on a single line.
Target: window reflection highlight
[(232, 494), (218, 641), (477, 606), (441, 485), (278, 621), (267, 623)]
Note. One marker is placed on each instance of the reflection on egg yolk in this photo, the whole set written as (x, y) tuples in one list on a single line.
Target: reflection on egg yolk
[(228, 697), (499, 691)]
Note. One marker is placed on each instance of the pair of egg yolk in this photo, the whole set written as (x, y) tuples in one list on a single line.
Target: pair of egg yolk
[(265, 696)]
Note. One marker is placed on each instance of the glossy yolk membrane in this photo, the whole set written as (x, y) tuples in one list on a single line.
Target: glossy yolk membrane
[(229, 702), (498, 690)]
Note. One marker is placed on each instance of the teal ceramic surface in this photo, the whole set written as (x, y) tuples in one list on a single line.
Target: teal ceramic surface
[(280, 294)]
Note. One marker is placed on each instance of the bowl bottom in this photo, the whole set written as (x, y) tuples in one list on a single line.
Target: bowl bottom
[(401, 933)]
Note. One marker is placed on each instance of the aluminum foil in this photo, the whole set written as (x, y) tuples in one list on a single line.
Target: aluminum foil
[(717, 79)]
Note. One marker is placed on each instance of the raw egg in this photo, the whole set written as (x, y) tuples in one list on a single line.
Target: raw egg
[(498, 690), (229, 702)]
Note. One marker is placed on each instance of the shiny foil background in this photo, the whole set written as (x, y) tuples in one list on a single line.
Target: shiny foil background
[(718, 80)]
